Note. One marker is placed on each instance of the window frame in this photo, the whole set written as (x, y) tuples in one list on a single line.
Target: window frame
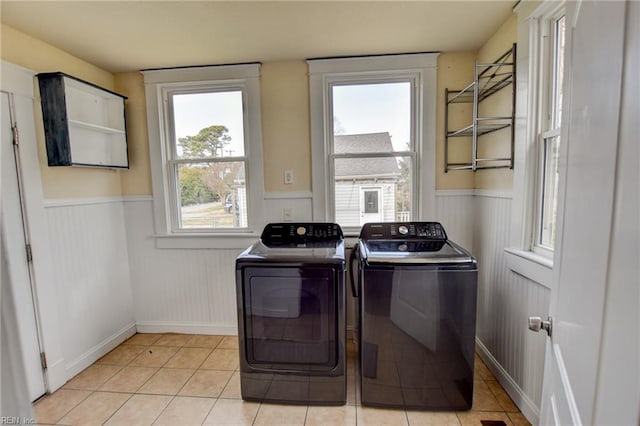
[(520, 252), (420, 70), (159, 85), (547, 122)]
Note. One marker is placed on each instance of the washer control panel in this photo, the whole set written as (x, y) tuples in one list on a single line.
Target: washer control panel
[(403, 230), (301, 233)]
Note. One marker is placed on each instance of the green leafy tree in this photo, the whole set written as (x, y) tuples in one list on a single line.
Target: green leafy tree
[(209, 142), (194, 188), (206, 182)]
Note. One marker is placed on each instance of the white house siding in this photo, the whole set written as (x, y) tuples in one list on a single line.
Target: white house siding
[(347, 199)]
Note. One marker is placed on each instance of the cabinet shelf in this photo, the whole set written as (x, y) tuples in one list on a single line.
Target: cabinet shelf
[(489, 79), (84, 124), (96, 127)]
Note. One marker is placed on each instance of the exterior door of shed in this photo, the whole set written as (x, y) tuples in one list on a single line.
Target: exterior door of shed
[(371, 209)]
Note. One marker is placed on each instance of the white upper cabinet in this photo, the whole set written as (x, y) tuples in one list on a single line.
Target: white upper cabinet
[(84, 124)]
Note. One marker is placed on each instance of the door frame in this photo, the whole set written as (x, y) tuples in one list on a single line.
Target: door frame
[(20, 83), (20, 277)]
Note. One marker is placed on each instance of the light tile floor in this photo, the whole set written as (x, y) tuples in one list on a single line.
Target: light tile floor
[(178, 379)]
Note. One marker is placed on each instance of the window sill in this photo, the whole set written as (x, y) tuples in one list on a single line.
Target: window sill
[(530, 265), (205, 241)]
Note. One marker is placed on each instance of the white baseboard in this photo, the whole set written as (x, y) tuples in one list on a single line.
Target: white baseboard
[(56, 375), (186, 328), (90, 356), (524, 403)]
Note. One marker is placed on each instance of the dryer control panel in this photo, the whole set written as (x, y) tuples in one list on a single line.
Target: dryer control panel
[(301, 233), (404, 231)]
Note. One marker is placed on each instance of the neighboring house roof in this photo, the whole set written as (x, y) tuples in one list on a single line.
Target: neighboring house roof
[(384, 167)]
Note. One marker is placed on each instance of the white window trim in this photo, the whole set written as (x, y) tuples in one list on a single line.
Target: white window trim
[(528, 111), (323, 72), (245, 76)]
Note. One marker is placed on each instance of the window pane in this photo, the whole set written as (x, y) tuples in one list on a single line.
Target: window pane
[(372, 118), (372, 189), (549, 191), (379, 109), (212, 195), (558, 72), (208, 124)]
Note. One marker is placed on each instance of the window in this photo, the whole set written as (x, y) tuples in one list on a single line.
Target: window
[(551, 62), (205, 143), (373, 138)]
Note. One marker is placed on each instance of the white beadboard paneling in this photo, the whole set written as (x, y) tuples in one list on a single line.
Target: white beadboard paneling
[(505, 300), (454, 210), (91, 270), (171, 288)]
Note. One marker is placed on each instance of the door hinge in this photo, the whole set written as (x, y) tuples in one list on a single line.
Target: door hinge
[(43, 360), (16, 137), (29, 253)]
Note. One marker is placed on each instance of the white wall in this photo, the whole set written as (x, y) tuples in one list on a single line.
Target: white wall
[(178, 290), (90, 259)]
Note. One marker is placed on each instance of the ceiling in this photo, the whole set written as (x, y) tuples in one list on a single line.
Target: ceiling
[(121, 36)]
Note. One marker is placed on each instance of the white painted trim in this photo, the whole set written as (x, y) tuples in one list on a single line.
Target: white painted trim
[(20, 82), (368, 63), (489, 193), (157, 84), (68, 202), (57, 374), (205, 241), (455, 192), (187, 328), (99, 350), (493, 193), (16, 79), (186, 74), (288, 195), (533, 266), (524, 403), (136, 198), (420, 67)]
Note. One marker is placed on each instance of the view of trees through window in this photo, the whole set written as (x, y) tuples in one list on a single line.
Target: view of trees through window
[(210, 167)]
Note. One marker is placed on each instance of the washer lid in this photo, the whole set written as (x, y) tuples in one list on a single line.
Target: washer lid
[(412, 251)]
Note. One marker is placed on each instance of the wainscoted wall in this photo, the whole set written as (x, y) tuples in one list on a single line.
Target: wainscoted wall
[(91, 273), (454, 209), (505, 300), (178, 290), (113, 277)]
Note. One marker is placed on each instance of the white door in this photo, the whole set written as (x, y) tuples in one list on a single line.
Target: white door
[(14, 242), (598, 203), (371, 205)]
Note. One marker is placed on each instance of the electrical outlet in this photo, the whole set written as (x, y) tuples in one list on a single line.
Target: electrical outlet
[(288, 177), (287, 214)]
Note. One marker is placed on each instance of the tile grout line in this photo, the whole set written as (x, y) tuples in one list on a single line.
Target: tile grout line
[(509, 416)]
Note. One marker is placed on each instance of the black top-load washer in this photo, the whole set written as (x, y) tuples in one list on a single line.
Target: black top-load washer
[(291, 315), (417, 309)]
